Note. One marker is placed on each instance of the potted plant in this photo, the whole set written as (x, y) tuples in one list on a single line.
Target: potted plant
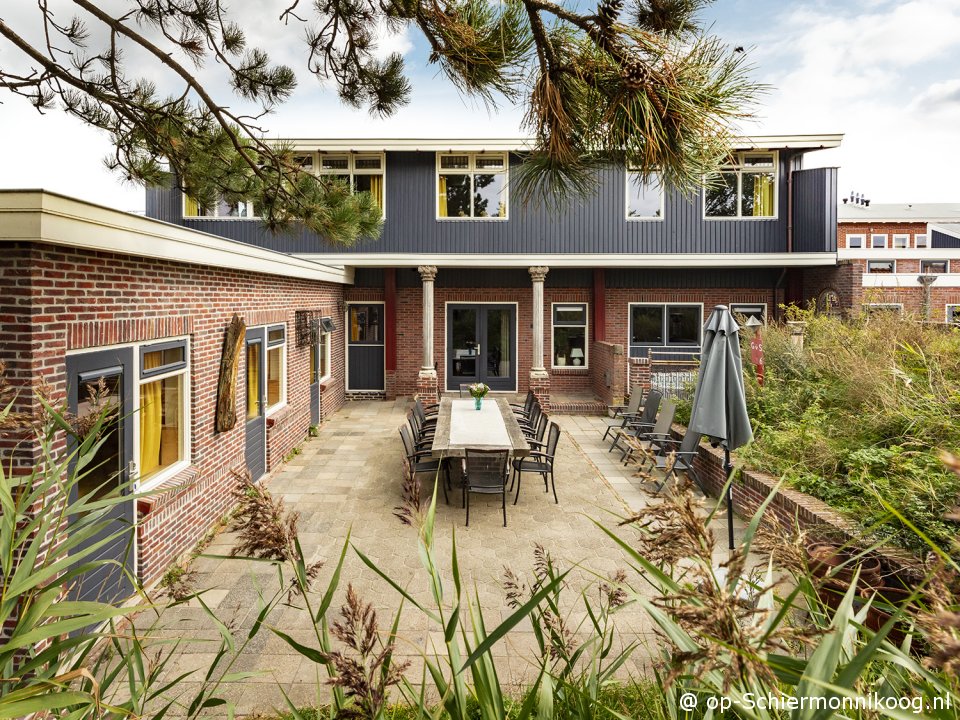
[(477, 392)]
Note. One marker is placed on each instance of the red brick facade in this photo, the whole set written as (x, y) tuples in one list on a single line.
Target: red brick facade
[(55, 300)]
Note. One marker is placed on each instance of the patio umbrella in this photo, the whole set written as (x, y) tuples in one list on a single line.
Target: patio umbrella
[(719, 403)]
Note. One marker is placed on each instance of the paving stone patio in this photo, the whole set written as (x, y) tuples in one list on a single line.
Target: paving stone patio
[(348, 479)]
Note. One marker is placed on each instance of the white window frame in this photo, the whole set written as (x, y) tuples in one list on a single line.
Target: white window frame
[(160, 476), (327, 340), (352, 169), (586, 335), (284, 379), (664, 305), (916, 240), (472, 170), (903, 238), (885, 260), (657, 181), (863, 241), (737, 166), (734, 306), (886, 241), (216, 210), (946, 266), (955, 308)]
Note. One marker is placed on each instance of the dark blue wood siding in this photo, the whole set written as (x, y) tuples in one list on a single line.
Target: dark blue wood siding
[(596, 224), (815, 210), (942, 240)]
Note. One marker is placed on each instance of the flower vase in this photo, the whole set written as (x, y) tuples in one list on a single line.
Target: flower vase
[(477, 402)]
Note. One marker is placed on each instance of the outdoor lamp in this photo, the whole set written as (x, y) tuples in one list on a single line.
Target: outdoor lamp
[(577, 355), (753, 323)]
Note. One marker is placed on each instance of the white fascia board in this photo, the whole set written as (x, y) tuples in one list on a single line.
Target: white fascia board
[(909, 280), (40, 216), (899, 254), (677, 260), (746, 142)]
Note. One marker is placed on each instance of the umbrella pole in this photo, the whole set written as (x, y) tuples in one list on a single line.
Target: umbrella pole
[(728, 470)]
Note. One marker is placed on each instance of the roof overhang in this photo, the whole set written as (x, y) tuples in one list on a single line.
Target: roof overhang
[(747, 142), (664, 260), (45, 217)]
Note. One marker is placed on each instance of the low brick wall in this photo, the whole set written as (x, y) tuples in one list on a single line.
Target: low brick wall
[(609, 372)]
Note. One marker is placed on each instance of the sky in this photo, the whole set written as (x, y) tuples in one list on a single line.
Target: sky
[(886, 74)]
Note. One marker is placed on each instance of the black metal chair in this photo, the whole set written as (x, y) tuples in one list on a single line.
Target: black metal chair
[(529, 424), (540, 462), (421, 435), (535, 438), (419, 461), (485, 471), (425, 417), (527, 406), (620, 417), (643, 420), (677, 455), (636, 438)]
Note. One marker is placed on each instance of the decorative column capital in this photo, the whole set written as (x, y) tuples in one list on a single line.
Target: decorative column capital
[(538, 273), (427, 272)]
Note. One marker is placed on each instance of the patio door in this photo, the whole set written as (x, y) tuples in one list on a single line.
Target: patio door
[(365, 347), (255, 448), (481, 346), (105, 380)]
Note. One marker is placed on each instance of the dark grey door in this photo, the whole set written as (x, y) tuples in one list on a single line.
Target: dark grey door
[(105, 380), (481, 346), (365, 369), (256, 403)]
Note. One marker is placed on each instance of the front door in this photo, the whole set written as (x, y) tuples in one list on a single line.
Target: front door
[(481, 346), (105, 380), (256, 423), (365, 356)]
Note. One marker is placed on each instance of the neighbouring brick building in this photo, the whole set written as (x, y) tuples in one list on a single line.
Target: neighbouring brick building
[(901, 257)]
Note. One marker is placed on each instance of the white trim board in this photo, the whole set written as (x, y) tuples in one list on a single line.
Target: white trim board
[(504, 260), (45, 217)]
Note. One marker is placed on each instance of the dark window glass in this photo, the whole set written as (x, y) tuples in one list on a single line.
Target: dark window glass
[(454, 196), (881, 266), (933, 266), (720, 200), (646, 325), (275, 335), (683, 326), (569, 314)]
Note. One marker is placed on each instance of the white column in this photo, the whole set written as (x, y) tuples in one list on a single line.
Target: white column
[(538, 275), (427, 273)]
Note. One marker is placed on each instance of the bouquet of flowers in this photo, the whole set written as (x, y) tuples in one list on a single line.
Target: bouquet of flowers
[(478, 390)]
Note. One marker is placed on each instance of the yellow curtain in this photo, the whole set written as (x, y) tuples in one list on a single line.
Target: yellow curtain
[(191, 208), (443, 196), (253, 380), (376, 189), (763, 196), (151, 417)]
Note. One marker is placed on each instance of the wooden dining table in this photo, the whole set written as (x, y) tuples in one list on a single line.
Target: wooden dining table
[(494, 427)]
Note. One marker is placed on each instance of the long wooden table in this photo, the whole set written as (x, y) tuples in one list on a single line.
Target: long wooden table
[(493, 427)]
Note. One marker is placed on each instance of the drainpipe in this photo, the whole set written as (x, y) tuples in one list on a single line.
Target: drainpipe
[(790, 206), (776, 286)]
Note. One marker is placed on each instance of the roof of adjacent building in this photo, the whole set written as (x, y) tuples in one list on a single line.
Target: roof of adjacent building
[(898, 212), (746, 142)]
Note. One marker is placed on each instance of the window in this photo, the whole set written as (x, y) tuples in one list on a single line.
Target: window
[(363, 172), (878, 241), (162, 400), (877, 308), (664, 325), (746, 188), (320, 359), (472, 185), (953, 314), (882, 266), (364, 321), (219, 209), (934, 266), (747, 311), (570, 334), (855, 241), (920, 240), (644, 197), (901, 241), (276, 367)]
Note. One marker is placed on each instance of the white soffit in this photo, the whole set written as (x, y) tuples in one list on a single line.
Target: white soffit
[(41, 216)]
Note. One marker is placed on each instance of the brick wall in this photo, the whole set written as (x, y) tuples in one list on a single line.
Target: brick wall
[(609, 372), (54, 300), (889, 229)]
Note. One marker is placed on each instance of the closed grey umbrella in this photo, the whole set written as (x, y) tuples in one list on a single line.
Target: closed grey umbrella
[(720, 403)]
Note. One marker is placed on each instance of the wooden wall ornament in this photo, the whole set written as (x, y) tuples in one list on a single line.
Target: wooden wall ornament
[(226, 415)]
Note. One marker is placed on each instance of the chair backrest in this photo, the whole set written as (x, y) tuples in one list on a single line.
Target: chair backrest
[(407, 439), (416, 428), (486, 468), (636, 397), (464, 390), (690, 442), (535, 414), (419, 412), (665, 419), (529, 402), (553, 437), (650, 406), (542, 426)]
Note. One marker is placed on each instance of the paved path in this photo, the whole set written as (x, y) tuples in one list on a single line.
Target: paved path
[(349, 478)]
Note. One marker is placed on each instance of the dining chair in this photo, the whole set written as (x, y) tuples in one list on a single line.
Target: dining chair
[(678, 455), (644, 419), (527, 404), (485, 472), (529, 424), (618, 421), (540, 462), (535, 438), (419, 461), (637, 438)]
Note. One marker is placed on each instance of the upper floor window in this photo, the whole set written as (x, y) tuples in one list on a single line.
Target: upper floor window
[(220, 209), (855, 241), (472, 185), (644, 196), (934, 266), (363, 172), (920, 240), (953, 314), (881, 266), (745, 188), (901, 241), (878, 240)]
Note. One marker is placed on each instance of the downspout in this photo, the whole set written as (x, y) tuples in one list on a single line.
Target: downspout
[(790, 206), (773, 298)]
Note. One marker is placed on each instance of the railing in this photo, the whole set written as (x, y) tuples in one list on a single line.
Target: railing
[(674, 373)]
